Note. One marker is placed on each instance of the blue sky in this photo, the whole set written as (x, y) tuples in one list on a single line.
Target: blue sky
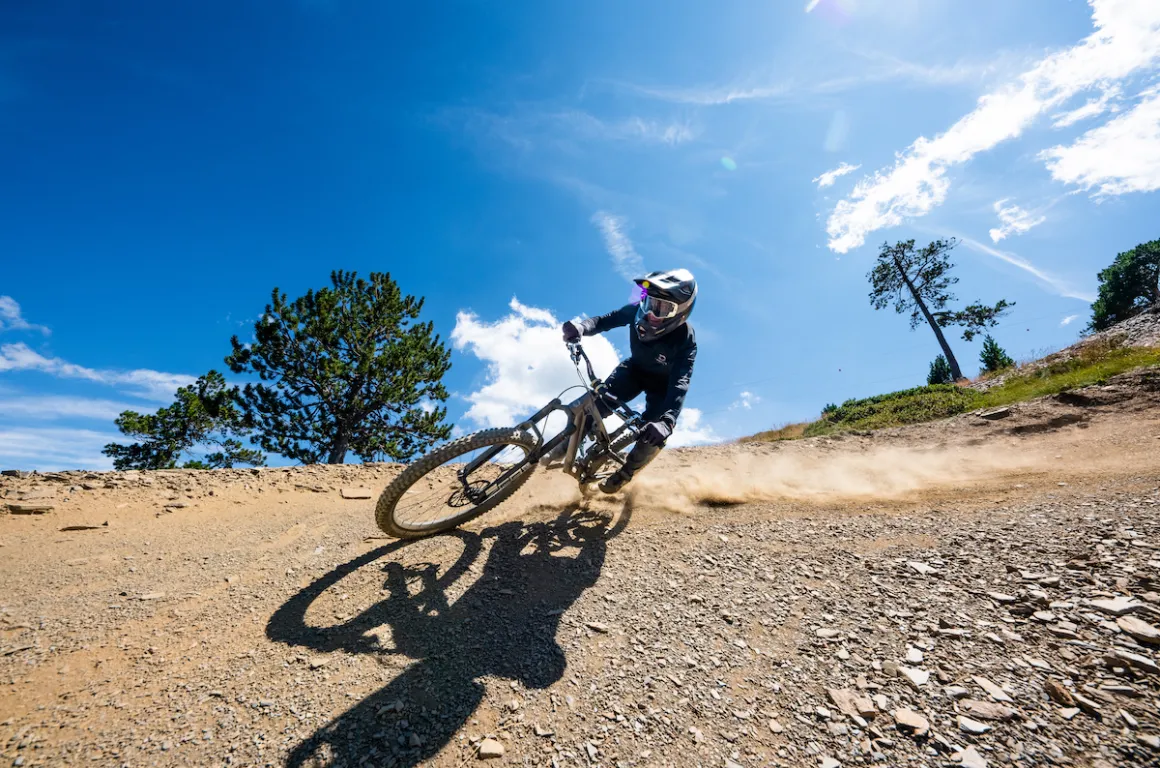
[(163, 166)]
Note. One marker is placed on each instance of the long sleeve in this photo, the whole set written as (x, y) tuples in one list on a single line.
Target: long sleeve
[(615, 319), (679, 377)]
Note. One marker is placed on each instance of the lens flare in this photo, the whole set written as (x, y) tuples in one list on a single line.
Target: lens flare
[(728, 163), (834, 11)]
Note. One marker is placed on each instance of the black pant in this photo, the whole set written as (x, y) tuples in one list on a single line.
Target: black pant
[(627, 382)]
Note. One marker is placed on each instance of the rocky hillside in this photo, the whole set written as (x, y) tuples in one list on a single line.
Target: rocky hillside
[(1143, 330)]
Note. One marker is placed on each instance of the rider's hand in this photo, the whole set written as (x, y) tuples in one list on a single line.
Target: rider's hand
[(571, 331), (655, 433)]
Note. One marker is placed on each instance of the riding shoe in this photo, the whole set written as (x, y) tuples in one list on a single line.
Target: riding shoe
[(615, 481)]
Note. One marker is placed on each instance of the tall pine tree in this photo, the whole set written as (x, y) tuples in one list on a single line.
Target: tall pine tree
[(345, 369), (918, 281)]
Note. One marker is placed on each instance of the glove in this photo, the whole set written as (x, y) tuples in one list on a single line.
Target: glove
[(571, 331), (655, 433)]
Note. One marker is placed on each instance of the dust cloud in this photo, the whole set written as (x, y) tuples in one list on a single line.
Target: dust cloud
[(680, 482), (720, 478)]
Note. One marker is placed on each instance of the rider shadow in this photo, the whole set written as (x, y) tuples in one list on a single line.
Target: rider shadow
[(503, 625)]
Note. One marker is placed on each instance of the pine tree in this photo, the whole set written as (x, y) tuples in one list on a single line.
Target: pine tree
[(940, 372), (202, 415), (344, 369), (1128, 285), (993, 357), (918, 281)]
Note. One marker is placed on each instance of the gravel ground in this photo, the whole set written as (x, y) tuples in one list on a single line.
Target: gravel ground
[(1003, 616)]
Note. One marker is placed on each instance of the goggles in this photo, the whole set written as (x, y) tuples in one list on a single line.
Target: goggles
[(660, 309)]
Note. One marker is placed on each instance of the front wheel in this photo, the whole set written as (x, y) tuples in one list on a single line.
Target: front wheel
[(434, 494)]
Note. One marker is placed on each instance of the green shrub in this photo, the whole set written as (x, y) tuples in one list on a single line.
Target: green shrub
[(906, 407)]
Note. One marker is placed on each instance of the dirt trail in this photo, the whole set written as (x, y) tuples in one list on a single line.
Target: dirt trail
[(259, 618)]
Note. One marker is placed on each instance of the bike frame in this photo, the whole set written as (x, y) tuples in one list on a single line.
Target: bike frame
[(584, 420)]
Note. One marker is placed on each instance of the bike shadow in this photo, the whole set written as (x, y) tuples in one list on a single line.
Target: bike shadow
[(503, 625)]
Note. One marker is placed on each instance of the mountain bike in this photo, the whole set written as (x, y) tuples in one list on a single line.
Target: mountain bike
[(464, 478)]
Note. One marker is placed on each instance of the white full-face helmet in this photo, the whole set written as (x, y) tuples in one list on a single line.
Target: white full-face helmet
[(666, 301)]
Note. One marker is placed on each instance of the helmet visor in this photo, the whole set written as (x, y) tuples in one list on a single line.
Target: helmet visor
[(656, 309)]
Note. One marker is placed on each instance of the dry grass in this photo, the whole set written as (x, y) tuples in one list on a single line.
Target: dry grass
[(784, 432)]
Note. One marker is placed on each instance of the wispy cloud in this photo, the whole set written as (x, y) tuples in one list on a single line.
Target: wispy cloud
[(54, 448), (1121, 156), (1057, 285), (587, 126), (11, 319), (51, 407), (152, 385), (879, 68), (712, 95), (672, 133), (1068, 320), (1126, 40), (1013, 221), (625, 259), (530, 126), (828, 178)]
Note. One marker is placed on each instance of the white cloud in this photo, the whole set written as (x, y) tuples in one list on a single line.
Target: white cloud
[(1093, 108), (1015, 221), (812, 4), (1126, 41), (1057, 285), (526, 363), (11, 318), (745, 400), (1068, 320), (152, 385), (54, 448), (1121, 156), (625, 259), (691, 431), (62, 407), (828, 178)]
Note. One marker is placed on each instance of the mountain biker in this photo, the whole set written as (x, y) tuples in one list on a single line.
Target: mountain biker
[(660, 365)]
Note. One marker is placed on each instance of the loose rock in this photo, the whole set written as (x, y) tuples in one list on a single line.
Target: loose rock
[(910, 721), (490, 749)]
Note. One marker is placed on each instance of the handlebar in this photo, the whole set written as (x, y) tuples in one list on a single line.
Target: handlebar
[(579, 354), (596, 386)]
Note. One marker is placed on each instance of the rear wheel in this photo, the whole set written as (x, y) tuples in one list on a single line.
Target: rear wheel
[(433, 494)]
